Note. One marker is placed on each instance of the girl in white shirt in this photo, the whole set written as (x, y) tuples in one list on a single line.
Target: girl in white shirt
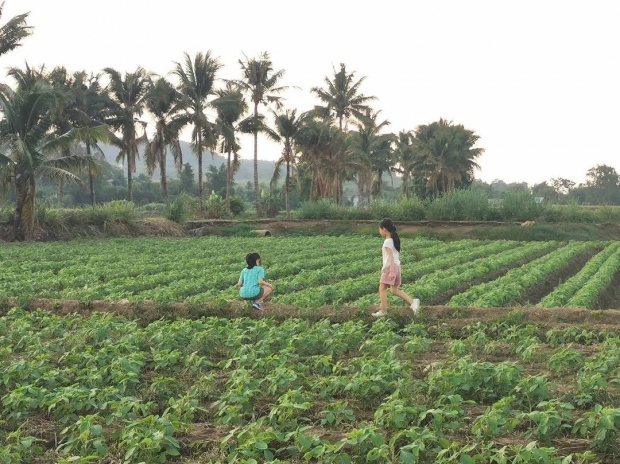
[(390, 272)]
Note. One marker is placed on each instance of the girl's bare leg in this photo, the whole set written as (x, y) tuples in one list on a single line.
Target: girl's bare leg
[(383, 297), (399, 293), (266, 292)]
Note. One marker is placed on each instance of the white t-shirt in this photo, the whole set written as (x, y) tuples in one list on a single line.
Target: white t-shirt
[(389, 243)]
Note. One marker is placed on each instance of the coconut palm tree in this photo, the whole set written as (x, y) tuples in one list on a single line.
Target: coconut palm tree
[(404, 157), (287, 126), (197, 83), (29, 149), (374, 154), (13, 32), (260, 82), (127, 96), (91, 109), (164, 103), (444, 155), (230, 106), (341, 96), (327, 155)]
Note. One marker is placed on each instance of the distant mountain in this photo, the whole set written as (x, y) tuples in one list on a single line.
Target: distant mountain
[(245, 173)]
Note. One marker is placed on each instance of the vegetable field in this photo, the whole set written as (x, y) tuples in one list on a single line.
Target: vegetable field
[(105, 389), (309, 272)]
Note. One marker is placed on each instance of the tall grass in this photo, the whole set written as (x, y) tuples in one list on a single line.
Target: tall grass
[(459, 205), (520, 206)]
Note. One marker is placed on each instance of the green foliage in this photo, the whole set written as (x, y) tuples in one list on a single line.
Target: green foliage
[(519, 206), (179, 209), (479, 381), (215, 206), (459, 205)]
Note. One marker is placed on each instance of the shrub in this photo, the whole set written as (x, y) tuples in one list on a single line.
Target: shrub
[(520, 206), (177, 210), (237, 206), (215, 206), (320, 209), (47, 215), (459, 205), (409, 209)]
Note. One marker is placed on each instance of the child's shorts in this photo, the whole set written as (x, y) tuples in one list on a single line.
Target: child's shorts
[(260, 294), (395, 280)]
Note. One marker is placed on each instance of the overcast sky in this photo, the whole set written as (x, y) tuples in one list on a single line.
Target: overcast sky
[(537, 80)]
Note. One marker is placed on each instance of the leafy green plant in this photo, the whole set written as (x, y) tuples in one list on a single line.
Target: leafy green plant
[(85, 438), (601, 425), (565, 361), (551, 419)]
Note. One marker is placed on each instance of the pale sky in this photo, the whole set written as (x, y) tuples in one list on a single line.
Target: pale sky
[(538, 80)]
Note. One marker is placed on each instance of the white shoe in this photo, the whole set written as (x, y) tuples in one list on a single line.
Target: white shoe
[(379, 314), (415, 305)]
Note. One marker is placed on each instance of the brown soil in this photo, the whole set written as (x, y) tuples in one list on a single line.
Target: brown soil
[(610, 297), (444, 297), (148, 311), (545, 286)]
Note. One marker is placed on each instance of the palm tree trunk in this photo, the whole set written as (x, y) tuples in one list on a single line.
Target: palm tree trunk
[(163, 174), (228, 182), (256, 188), (201, 197), (129, 179), (91, 178), (286, 191), (406, 184), (20, 195)]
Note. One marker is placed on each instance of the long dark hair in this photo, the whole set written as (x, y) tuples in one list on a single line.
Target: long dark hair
[(388, 225), (251, 259)]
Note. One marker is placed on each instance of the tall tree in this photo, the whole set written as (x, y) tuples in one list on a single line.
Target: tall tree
[(28, 149), (13, 32), (63, 111), (287, 127), (374, 153), (327, 155), (230, 106), (445, 155), (404, 157), (164, 103), (127, 103), (261, 83), (197, 83), (92, 105), (341, 96)]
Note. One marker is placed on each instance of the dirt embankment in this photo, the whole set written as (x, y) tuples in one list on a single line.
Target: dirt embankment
[(148, 311), (445, 230)]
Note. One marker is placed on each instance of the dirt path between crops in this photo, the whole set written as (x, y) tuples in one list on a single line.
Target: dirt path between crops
[(146, 312)]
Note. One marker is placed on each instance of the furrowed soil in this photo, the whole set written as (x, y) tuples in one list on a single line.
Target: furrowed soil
[(610, 297), (445, 297), (148, 311), (545, 286)]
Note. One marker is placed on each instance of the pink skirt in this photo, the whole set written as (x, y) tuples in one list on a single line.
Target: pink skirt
[(394, 281)]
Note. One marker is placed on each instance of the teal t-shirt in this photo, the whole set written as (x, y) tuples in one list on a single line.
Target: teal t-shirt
[(249, 278)]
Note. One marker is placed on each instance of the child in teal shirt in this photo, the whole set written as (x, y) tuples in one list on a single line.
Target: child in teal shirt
[(252, 282)]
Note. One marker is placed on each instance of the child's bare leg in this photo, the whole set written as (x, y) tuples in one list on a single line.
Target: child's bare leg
[(383, 297), (266, 292), (399, 293)]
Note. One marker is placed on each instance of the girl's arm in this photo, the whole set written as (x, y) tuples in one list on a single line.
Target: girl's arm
[(262, 281), (390, 255)]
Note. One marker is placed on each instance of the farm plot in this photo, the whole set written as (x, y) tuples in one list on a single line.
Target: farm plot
[(105, 389), (309, 272)]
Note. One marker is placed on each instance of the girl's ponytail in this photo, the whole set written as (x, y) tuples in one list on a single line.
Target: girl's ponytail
[(388, 225), (396, 239)]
